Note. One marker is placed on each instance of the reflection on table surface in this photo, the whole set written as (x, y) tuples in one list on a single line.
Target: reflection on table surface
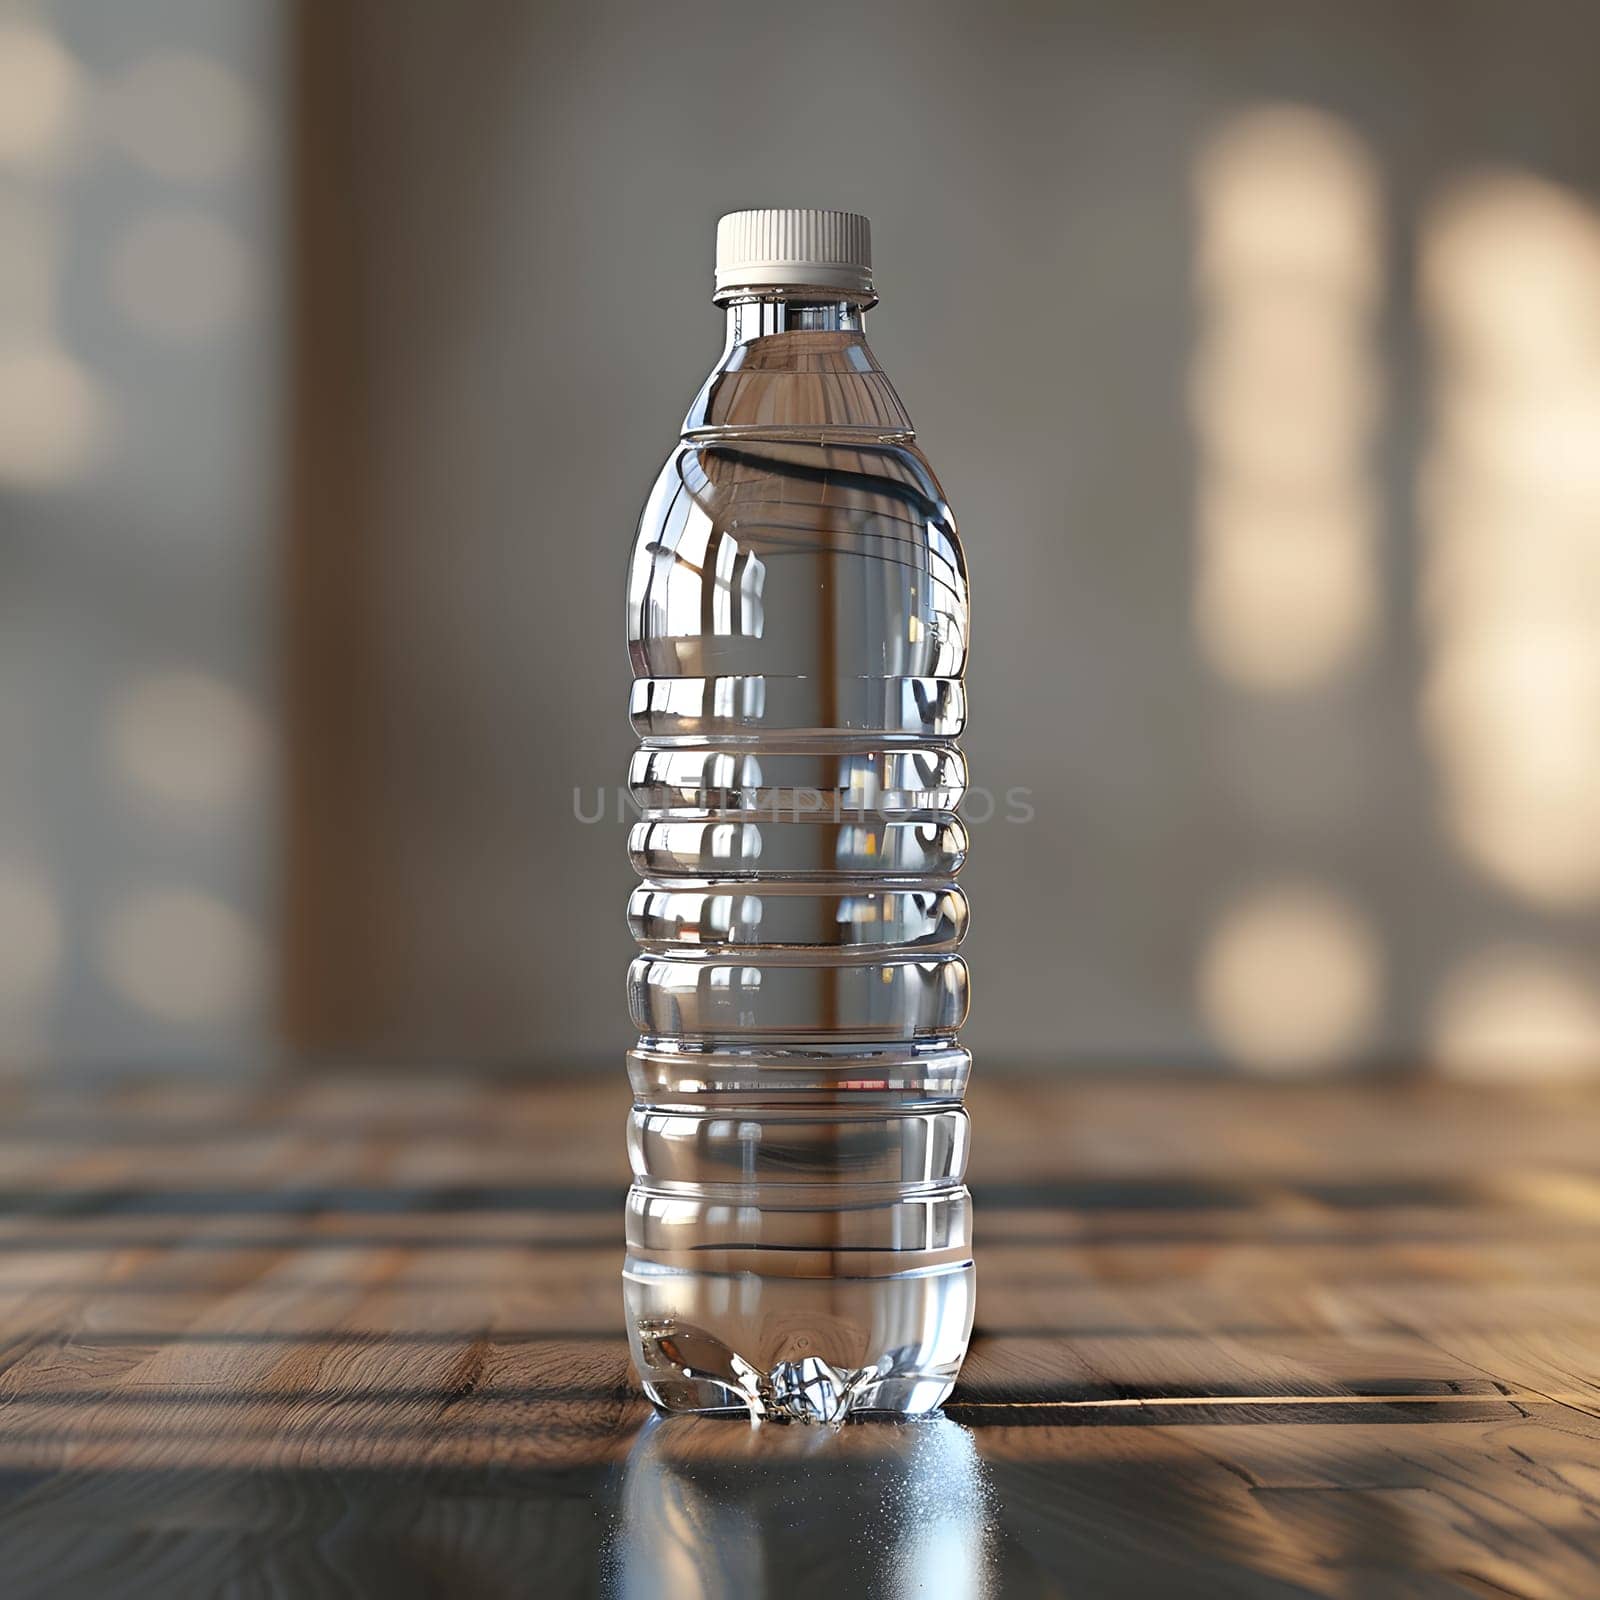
[(350, 1335), (889, 1509)]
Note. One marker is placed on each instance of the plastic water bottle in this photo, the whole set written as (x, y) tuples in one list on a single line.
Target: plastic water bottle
[(799, 1235)]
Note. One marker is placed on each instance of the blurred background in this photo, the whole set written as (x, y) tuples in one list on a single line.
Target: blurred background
[(1258, 348)]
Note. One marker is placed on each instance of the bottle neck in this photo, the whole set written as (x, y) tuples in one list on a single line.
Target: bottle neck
[(760, 318), (798, 365)]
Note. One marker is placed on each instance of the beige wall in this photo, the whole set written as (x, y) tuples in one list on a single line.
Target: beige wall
[(140, 321), (1254, 344), (1163, 345)]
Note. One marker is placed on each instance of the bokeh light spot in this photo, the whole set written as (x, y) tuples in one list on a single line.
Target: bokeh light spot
[(1288, 192), (183, 956), (1289, 593), (187, 740), (181, 275), (1291, 979), (53, 418), (1508, 273), (1516, 1014), (40, 89), (182, 116)]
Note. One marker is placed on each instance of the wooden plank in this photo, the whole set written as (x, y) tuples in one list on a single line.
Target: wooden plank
[(1232, 1339)]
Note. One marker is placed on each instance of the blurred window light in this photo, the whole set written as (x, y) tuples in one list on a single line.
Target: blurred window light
[(1306, 566), (181, 275), (40, 93), (1518, 1014), (1285, 394), (1288, 196), (1509, 500), (183, 956), (182, 116), (30, 937), (1291, 979), (53, 418), (188, 741)]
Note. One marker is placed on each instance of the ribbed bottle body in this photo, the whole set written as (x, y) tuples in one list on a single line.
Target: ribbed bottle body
[(798, 1228)]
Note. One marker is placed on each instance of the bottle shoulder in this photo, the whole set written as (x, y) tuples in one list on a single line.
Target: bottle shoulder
[(816, 557), (839, 478)]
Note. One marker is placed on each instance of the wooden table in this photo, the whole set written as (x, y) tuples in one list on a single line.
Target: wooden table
[(352, 1336)]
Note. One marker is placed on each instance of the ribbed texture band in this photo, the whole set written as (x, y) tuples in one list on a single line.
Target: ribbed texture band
[(830, 249)]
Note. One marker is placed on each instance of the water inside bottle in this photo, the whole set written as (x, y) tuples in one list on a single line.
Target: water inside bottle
[(799, 1235)]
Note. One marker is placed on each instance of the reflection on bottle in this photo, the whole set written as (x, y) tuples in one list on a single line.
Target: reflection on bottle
[(799, 1228), (710, 1510)]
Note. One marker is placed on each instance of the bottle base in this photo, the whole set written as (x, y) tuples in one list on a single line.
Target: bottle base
[(829, 1397), (798, 1349)]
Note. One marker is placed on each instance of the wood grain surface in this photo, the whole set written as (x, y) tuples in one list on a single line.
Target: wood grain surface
[(359, 1336)]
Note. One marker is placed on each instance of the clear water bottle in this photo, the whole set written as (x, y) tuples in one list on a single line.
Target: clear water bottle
[(799, 1235)]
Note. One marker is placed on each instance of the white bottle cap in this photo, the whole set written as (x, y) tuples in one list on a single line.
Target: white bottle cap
[(794, 249)]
